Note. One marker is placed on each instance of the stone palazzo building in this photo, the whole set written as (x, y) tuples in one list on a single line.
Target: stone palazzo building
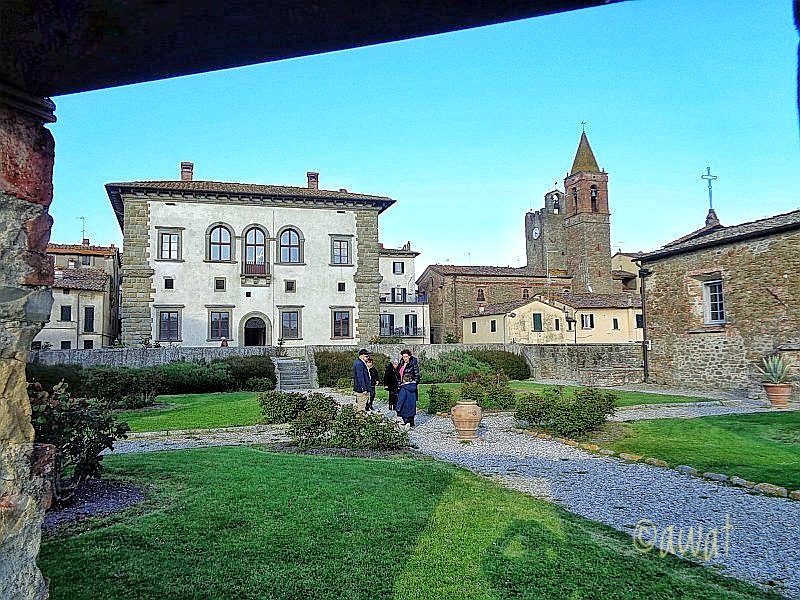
[(254, 264), (568, 244), (719, 299)]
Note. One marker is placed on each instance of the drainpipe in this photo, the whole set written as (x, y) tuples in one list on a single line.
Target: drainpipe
[(643, 273), (78, 323)]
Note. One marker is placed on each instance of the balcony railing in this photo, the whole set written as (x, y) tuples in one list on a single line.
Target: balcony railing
[(387, 299), (254, 269), (402, 332)]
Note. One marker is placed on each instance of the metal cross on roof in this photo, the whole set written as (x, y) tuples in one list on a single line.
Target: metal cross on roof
[(710, 178), (583, 126)]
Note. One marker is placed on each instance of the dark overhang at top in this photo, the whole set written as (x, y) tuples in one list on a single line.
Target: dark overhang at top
[(267, 195), (54, 48)]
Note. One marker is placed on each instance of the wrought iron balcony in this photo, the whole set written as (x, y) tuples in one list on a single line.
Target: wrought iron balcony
[(255, 269), (402, 332)]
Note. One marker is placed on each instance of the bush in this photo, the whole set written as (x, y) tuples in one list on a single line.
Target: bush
[(344, 383), (333, 366), (511, 364), (280, 407), (451, 367), (489, 391), (568, 414), (194, 378), (123, 387), (259, 384), (243, 368), (50, 375), (312, 426), (472, 392), (80, 430), (440, 399)]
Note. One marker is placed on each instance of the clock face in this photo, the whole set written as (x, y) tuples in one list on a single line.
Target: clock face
[(536, 233)]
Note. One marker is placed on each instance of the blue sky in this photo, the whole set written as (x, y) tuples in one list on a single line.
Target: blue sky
[(468, 130)]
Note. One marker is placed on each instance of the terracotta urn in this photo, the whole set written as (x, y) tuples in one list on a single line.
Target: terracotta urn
[(466, 418), (778, 394)]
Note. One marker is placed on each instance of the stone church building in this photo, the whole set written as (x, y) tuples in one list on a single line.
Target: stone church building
[(568, 244)]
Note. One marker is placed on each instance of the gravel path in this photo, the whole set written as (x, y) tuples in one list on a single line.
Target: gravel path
[(686, 410), (200, 438), (764, 541)]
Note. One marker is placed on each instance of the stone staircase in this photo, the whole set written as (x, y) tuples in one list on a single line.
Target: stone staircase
[(292, 374)]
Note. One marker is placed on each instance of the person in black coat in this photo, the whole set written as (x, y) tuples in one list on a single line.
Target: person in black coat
[(391, 382), (374, 379)]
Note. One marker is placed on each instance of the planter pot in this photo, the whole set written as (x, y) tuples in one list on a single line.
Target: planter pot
[(778, 394), (466, 417)]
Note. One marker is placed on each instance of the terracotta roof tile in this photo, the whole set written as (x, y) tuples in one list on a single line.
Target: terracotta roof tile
[(500, 308), (81, 249), (81, 279), (618, 300), (486, 270)]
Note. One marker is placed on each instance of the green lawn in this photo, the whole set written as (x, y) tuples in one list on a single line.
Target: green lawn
[(197, 411), (246, 523), (525, 387), (761, 447)]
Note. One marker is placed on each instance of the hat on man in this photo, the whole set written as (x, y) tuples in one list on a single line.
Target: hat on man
[(363, 352)]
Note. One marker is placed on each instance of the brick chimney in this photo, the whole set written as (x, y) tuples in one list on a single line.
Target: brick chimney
[(313, 180), (187, 171), (86, 242)]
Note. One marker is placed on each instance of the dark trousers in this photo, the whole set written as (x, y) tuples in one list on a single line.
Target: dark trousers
[(392, 400), (408, 420), (371, 398)]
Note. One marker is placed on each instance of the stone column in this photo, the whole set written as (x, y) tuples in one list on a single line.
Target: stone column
[(137, 275), (26, 189), (367, 277)]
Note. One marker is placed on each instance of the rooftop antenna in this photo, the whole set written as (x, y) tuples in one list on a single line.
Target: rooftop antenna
[(83, 228)]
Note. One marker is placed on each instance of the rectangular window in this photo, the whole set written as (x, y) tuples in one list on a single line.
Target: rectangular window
[(614, 323), (340, 252), (387, 325), (66, 313), (290, 287), (474, 327), (290, 324), (219, 285), (88, 319), (713, 302), (66, 345), (587, 321), (36, 345), (493, 326), (398, 294), (537, 322), (168, 325), (639, 321), (411, 324), (398, 268), (341, 324), (220, 325), (88, 344), (169, 283), (66, 291), (72, 263), (526, 293), (86, 259), (558, 324), (480, 295), (169, 245), (341, 286)]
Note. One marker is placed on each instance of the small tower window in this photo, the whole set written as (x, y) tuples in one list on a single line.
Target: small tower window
[(575, 198), (556, 205), (481, 297), (593, 195)]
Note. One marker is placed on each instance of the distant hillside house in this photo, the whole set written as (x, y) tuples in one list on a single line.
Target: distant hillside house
[(85, 311), (558, 319), (404, 311), (254, 264), (720, 298)]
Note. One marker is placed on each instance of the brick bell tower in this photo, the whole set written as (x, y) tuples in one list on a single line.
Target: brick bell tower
[(587, 223)]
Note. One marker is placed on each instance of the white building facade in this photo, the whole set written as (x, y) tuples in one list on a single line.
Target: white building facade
[(404, 312), (253, 264)]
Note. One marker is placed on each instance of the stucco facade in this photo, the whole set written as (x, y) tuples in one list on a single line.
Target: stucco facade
[(543, 320), (722, 298), (404, 312), (253, 264)]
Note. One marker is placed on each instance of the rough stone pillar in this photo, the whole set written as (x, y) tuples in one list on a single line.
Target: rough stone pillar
[(26, 189), (137, 276), (367, 277)]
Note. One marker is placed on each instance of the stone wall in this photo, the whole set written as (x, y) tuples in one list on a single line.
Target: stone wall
[(137, 276), (762, 310), (367, 277)]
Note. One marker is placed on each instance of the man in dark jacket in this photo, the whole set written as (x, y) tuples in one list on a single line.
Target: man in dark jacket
[(361, 380)]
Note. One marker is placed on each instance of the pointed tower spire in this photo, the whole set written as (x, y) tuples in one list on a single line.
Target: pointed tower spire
[(584, 158)]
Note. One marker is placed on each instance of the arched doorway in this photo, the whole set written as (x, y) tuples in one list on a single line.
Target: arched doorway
[(255, 332)]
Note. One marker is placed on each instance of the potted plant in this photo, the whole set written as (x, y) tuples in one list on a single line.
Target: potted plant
[(776, 378)]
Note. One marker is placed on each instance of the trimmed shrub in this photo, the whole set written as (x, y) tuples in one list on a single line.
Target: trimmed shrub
[(80, 429), (472, 392), (311, 427), (450, 367), (511, 364), (50, 375), (259, 384), (568, 414), (194, 378), (333, 366), (280, 407), (123, 387), (440, 399), (344, 383), (243, 368), (489, 391)]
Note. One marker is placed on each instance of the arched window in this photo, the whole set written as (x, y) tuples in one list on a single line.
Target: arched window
[(255, 252), (593, 196), (575, 199), (219, 244), (290, 246)]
